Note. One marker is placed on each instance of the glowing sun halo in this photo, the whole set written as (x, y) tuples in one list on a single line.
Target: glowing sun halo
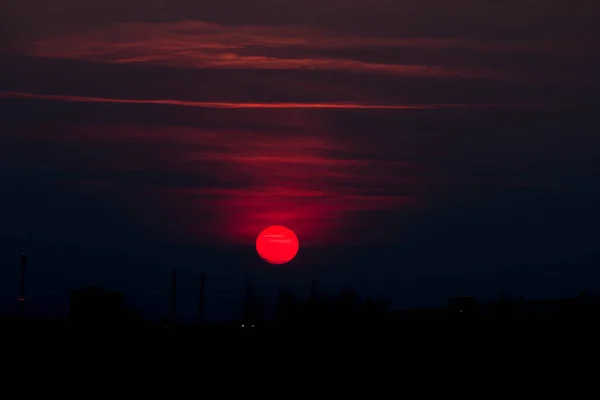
[(277, 245)]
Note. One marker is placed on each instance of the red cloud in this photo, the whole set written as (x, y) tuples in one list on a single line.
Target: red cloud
[(202, 45)]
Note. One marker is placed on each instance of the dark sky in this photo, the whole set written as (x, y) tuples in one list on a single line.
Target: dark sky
[(422, 149)]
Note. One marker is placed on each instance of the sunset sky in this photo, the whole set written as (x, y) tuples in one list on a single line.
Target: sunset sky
[(422, 149)]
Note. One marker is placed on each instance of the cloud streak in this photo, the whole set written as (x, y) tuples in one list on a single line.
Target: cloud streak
[(232, 105), (197, 44)]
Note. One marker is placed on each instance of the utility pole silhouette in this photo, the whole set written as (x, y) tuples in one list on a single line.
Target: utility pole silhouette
[(173, 303), (22, 289), (201, 300), (250, 303), (248, 300)]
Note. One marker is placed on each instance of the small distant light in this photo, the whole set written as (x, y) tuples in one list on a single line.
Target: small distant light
[(242, 325), (461, 310), (21, 298), (253, 326)]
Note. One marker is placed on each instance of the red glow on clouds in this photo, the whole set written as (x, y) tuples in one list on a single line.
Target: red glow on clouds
[(223, 186), (297, 188), (197, 44)]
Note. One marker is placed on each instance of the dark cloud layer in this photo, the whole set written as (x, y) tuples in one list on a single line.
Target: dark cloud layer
[(432, 18)]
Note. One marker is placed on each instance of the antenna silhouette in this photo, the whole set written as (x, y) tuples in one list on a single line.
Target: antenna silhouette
[(173, 303), (201, 300), (22, 289)]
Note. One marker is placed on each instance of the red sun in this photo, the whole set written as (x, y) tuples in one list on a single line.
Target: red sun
[(277, 245)]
